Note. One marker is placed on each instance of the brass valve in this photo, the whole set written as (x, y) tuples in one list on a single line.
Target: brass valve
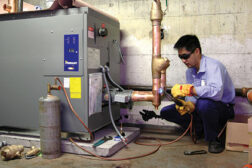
[(11, 152)]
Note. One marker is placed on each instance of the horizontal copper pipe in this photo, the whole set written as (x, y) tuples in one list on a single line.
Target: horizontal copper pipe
[(141, 96)]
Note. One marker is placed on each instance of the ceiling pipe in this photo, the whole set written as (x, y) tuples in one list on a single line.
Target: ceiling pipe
[(159, 64)]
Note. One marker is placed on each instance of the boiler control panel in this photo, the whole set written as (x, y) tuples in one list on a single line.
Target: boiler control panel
[(71, 52)]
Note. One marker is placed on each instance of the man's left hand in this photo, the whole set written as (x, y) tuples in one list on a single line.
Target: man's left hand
[(188, 107)]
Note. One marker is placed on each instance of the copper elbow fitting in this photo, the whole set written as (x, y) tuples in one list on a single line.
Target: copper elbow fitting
[(156, 11), (159, 64)]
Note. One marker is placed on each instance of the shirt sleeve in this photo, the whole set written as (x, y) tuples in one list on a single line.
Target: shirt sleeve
[(191, 99), (214, 83)]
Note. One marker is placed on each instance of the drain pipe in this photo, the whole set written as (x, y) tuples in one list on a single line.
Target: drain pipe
[(159, 64)]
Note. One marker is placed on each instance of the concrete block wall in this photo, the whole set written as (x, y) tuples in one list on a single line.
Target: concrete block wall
[(224, 28)]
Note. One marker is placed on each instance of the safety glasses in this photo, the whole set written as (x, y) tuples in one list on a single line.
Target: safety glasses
[(186, 56)]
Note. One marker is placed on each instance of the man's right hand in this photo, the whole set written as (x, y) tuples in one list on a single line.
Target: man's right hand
[(179, 90)]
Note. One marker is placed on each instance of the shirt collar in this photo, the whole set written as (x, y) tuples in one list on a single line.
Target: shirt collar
[(202, 64)]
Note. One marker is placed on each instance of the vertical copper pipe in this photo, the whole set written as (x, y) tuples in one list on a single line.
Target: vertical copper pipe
[(163, 81), (156, 39), (156, 18), (13, 4), (155, 91)]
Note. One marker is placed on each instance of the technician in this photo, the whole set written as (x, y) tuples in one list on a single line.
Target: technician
[(209, 94)]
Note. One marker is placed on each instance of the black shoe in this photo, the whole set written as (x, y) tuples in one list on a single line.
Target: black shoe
[(215, 147)]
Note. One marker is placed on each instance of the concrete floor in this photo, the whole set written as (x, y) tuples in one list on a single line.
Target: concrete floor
[(167, 156)]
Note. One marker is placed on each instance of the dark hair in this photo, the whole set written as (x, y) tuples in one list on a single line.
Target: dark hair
[(189, 42)]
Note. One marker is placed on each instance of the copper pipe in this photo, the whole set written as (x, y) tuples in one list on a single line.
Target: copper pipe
[(163, 82), (159, 64), (156, 38), (155, 91), (141, 96)]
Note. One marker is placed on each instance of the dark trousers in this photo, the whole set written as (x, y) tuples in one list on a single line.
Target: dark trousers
[(209, 117)]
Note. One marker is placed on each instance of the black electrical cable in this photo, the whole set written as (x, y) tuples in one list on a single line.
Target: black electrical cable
[(111, 80), (120, 51)]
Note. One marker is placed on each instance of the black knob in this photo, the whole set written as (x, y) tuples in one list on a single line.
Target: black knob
[(103, 32)]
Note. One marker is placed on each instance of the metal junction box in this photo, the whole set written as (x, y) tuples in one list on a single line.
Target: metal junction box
[(36, 47)]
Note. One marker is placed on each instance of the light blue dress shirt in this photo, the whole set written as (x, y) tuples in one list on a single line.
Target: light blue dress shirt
[(211, 81)]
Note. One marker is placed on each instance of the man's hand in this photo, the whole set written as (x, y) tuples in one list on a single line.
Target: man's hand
[(188, 107), (181, 90)]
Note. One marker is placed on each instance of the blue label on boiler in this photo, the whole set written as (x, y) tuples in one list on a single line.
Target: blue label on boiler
[(71, 52)]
